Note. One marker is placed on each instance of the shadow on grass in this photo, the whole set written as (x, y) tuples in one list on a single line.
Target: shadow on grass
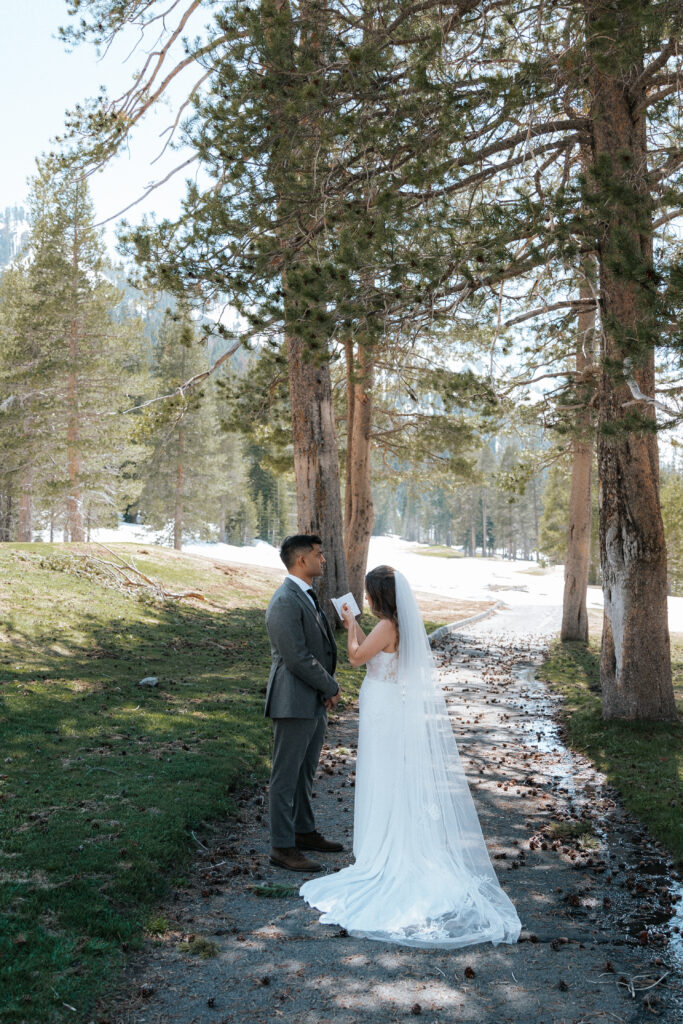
[(643, 760), (104, 781)]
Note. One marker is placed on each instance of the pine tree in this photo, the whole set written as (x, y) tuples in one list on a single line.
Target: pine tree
[(672, 515), (555, 516), (185, 473), (69, 367)]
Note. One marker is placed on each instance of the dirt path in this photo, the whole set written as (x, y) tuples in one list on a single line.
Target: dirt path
[(589, 904)]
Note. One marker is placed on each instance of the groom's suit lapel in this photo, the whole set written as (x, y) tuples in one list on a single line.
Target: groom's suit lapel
[(308, 605)]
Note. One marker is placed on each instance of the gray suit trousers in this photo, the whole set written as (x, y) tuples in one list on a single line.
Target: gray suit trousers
[(296, 751)]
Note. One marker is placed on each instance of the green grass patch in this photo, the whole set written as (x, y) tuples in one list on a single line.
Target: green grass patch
[(440, 551), (275, 891), (643, 760), (199, 945), (102, 781), (578, 830)]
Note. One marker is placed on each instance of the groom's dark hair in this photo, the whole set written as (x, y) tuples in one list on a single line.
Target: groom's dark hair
[(296, 545)]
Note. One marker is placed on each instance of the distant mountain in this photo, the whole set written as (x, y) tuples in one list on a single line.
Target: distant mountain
[(14, 232)]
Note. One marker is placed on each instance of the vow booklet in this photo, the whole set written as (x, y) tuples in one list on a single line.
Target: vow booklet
[(345, 599)]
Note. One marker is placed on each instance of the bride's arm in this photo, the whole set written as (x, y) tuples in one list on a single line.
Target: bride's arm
[(360, 635), (362, 648)]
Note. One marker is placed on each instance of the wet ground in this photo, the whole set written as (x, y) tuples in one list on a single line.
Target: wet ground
[(601, 909)]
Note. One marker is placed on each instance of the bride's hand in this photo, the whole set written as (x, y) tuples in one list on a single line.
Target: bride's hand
[(347, 616)]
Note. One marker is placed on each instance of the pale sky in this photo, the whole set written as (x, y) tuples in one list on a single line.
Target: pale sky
[(40, 80)]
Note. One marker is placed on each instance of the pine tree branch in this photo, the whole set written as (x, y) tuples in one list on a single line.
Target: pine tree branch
[(648, 73), (655, 97), (170, 131), (574, 304), (668, 217), (139, 90), (556, 148), (182, 389), (462, 7), (150, 188), (638, 395)]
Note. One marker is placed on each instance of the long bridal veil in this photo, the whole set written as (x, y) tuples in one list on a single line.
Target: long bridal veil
[(422, 874), (462, 900)]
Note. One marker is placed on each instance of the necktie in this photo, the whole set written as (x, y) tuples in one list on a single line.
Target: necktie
[(322, 618)]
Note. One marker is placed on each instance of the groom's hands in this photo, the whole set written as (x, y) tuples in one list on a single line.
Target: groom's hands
[(332, 702)]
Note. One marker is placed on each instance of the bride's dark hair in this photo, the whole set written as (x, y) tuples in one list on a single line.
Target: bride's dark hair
[(381, 587)]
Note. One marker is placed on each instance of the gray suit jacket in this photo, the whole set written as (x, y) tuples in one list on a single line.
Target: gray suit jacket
[(304, 656)]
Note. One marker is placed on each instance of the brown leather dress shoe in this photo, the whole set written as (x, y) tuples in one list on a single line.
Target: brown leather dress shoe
[(292, 859), (314, 841)]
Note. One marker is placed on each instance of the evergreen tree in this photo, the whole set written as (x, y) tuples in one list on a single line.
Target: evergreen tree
[(237, 519), (184, 477), (69, 369), (553, 522), (672, 514)]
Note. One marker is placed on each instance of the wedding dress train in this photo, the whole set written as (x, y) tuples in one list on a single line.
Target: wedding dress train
[(422, 875)]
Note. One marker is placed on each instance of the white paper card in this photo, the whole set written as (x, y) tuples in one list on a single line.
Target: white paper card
[(345, 599)]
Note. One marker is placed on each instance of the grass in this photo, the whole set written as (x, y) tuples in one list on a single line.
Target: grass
[(103, 782), (581, 831), (275, 891), (199, 945), (643, 760), (440, 551)]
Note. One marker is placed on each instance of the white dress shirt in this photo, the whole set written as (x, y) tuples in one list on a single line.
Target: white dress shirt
[(304, 586)]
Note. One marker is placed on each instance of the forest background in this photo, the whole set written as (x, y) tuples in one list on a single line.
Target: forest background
[(425, 280)]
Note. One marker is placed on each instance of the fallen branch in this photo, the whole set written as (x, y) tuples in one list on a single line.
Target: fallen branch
[(199, 842), (126, 576), (629, 983)]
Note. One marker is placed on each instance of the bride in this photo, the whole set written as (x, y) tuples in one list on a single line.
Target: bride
[(422, 875)]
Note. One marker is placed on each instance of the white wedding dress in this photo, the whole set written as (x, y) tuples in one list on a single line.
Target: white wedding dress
[(422, 875)]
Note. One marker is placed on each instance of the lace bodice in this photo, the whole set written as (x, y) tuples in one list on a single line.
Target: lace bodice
[(383, 667)]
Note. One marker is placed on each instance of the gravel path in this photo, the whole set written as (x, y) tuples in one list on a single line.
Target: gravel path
[(596, 910)]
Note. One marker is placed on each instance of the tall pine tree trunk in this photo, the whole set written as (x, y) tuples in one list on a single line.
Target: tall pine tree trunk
[(316, 466), (75, 496), (635, 665), (25, 518), (484, 518), (74, 499), (6, 514), (179, 488), (577, 563), (359, 512), (316, 459)]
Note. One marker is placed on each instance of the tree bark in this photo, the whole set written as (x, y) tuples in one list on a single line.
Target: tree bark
[(635, 664), (74, 499), (316, 459), (25, 520), (359, 512), (484, 518), (577, 563), (179, 484), (316, 466), (6, 516), (74, 512)]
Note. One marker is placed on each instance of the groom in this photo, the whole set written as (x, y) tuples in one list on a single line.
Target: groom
[(301, 688)]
